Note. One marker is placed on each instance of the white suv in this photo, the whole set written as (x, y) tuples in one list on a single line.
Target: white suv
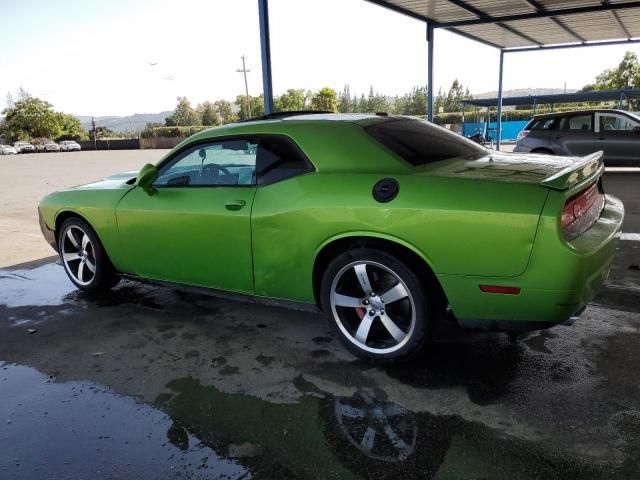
[(69, 145)]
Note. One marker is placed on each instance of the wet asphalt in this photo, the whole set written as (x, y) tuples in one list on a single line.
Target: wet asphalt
[(147, 382)]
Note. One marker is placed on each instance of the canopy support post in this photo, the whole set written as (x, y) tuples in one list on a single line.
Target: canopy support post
[(265, 50), (499, 119), (430, 31)]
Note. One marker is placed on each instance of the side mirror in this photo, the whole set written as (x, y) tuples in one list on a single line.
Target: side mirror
[(146, 177), (636, 129)]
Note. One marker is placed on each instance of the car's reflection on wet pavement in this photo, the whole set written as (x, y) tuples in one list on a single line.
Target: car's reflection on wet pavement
[(151, 383)]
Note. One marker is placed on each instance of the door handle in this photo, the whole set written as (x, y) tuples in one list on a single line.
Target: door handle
[(234, 204)]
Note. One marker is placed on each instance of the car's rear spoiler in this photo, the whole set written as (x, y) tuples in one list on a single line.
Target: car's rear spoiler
[(585, 167)]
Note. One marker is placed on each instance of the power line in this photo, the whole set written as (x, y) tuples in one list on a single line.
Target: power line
[(245, 70)]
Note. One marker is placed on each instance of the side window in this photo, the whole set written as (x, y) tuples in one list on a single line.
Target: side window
[(279, 158), (615, 122), (547, 124), (226, 162), (577, 122)]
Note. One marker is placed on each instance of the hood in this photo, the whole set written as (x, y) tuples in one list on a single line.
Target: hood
[(550, 171), (119, 180)]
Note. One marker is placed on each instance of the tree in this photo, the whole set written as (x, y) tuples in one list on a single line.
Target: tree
[(256, 103), (362, 105), (325, 99), (290, 101), (30, 118), (208, 114), (103, 132), (455, 95), (345, 105), (10, 103), (71, 129), (625, 75), (183, 115), (23, 94), (412, 103), (225, 112), (377, 102)]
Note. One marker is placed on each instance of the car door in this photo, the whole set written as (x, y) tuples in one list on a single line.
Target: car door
[(280, 221), (195, 229), (618, 136), (574, 135)]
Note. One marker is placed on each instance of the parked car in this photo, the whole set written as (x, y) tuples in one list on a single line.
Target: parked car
[(69, 146), (615, 132), (7, 150), (24, 147), (380, 221), (48, 146)]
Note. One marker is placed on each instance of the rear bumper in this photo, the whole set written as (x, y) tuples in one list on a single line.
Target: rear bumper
[(560, 280)]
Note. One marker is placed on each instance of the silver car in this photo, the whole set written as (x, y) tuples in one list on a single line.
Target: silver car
[(24, 147), (579, 133), (69, 146), (7, 150), (48, 146)]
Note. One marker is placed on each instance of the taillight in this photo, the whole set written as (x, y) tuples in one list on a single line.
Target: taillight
[(522, 134), (581, 211)]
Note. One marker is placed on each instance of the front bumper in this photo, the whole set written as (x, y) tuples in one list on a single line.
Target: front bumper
[(49, 235), (560, 280)]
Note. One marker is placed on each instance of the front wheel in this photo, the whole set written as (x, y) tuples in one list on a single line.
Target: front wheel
[(84, 258), (376, 304)]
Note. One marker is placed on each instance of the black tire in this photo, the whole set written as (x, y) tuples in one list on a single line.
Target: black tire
[(378, 346), (103, 276)]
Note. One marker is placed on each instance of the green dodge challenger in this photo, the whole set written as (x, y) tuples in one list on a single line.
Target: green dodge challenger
[(381, 221)]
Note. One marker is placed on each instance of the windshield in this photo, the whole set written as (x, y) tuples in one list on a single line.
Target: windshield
[(635, 116), (419, 142)]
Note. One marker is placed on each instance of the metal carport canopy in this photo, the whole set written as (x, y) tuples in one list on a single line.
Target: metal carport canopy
[(508, 25)]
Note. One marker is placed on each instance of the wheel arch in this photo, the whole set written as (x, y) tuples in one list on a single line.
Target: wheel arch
[(543, 150), (419, 263), (64, 215)]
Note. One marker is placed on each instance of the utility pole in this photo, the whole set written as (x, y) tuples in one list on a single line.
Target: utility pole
[(245, 70), (95, 141)]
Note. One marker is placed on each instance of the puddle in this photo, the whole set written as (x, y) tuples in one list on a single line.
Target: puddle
[(52, 429), (44, 285), (82, 430)]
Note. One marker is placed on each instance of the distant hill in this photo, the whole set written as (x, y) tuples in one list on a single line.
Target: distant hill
[(523, 92), (130, 123)]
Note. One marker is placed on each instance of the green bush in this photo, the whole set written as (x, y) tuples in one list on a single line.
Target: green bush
[(507, 115), (172, 132)]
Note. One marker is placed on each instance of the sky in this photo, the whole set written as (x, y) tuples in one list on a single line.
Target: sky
[(95, 57)]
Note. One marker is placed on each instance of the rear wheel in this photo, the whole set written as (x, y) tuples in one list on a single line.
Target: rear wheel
[(84, 258), (376, 304)]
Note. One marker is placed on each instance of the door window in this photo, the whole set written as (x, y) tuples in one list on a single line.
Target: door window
[(577, 122), (543, 124), (279, 158), (610, 121), (226, 162)]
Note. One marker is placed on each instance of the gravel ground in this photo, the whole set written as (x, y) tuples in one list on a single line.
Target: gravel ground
[(25, 179)]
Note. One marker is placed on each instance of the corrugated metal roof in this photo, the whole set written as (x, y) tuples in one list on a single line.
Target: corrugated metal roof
[(576, 97), (512, 24)]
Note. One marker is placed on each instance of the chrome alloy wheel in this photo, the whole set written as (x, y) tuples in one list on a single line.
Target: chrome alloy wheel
[(373, 307), (78, 255)]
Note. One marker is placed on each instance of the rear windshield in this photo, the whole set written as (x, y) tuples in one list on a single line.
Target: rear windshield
[(419, 142)]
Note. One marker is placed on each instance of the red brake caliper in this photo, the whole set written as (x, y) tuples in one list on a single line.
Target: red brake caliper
[(361, 312)]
